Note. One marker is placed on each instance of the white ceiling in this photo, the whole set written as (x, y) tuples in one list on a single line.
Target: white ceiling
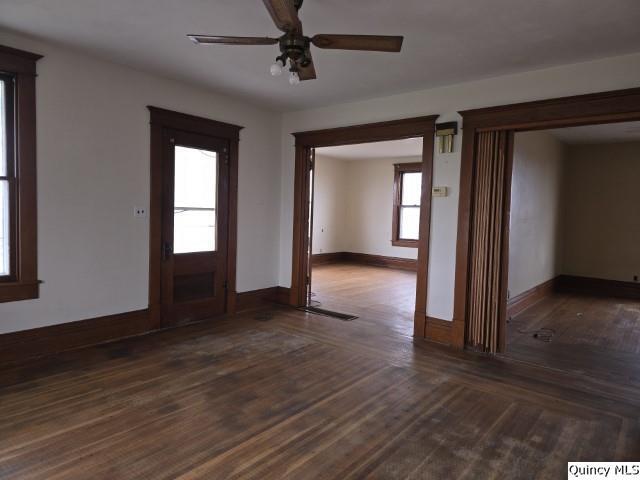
[(446, 41), (607, 133), (411, 147)]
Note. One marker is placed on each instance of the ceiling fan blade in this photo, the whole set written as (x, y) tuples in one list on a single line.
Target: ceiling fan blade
[(308, 72), (373, 43), (284, 15), (211, 39)]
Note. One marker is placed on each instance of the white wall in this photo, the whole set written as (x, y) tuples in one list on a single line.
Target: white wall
[(535, 241), (602, 213), (353, 206), (330, 205), (93, 168), (607, 74)]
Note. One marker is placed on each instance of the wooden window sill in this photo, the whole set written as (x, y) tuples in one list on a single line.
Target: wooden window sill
[(16, 291), (405, 243)]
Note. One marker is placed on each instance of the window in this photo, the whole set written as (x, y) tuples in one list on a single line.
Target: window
[(406, 209), (6, 176), (18, 265)]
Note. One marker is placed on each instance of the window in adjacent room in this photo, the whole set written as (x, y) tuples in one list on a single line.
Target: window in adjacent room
[(7, 177), (406, 208), (18, 224)]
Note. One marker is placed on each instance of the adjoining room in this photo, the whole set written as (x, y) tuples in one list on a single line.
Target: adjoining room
[(574, 261), (366, 218)]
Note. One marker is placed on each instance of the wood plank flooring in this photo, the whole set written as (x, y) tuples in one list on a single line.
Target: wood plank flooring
[(282, 394), (371, 292), (596, 336)]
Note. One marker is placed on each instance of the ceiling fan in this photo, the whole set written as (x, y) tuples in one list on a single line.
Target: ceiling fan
[(295, 48)]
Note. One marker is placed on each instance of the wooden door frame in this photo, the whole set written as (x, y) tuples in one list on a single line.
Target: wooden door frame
[(598, 108), (373, 132), (161, 119)]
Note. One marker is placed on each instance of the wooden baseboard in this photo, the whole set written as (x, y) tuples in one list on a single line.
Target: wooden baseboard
[(365, 259), (598, 287), (521, 302), (38, 342), (325, 258), (18, 346), (283, 295), (438, 331), (260, 298)]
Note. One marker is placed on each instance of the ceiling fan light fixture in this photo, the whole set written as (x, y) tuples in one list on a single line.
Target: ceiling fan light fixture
[(294, 78), (276, 68)]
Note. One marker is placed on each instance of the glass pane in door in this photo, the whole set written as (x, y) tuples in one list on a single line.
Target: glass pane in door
[(195, 194)]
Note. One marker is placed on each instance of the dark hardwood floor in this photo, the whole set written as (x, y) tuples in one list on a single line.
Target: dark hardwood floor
[(597, 336), (377, 294), (279, 393)]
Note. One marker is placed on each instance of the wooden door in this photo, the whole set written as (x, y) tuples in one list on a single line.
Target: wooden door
[(195, 222)]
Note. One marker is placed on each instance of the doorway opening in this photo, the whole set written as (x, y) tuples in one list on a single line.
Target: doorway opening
[(365, 226), (574, 264), (309, 147), (192, 218), (482, 259)]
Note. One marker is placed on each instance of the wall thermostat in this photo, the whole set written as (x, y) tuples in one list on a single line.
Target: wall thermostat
[(439, 191)]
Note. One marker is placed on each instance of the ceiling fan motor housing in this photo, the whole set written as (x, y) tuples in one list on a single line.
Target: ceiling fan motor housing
[(295, 48)]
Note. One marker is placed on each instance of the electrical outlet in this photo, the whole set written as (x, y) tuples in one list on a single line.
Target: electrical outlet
[(139, 212)]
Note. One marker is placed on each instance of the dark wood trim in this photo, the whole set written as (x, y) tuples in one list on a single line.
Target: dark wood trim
[(232, 239), (506, 215), (422, 287), (399, 169), (161, 120), (392, 130), (326, 258), (14, 291), (597, 287), (438, 331), (524, 300), (301, 219), (370, 132), (598, 108), (17, 61), (194, 124), (23, 282), (404, 243), (365, 259), (261, 298), (17, 346), (594, 108), (382, 261)]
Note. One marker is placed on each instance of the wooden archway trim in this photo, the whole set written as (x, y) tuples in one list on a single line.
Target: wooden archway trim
[(373, 132), (598, 108)]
